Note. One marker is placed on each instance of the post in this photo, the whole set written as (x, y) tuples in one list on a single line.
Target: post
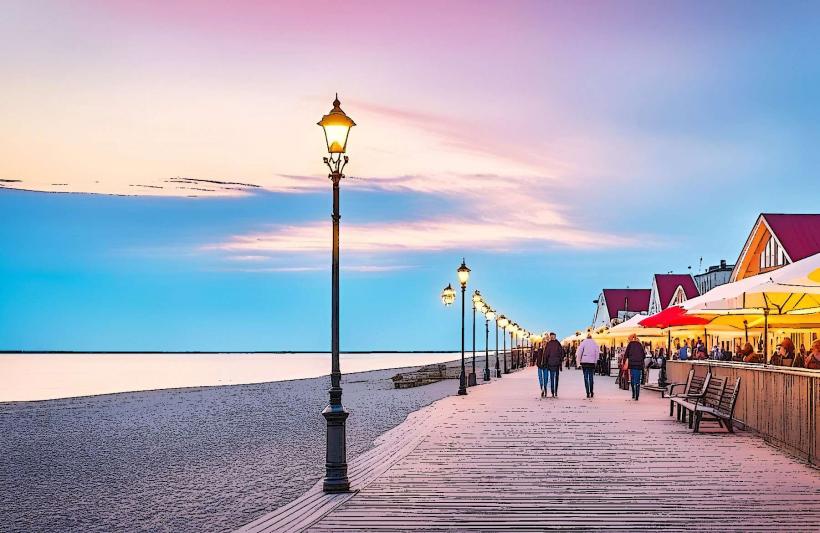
[(497, 364), (472, 378), (504, 337), (486, 349), (336, 416), (766, 336), (462, 379)]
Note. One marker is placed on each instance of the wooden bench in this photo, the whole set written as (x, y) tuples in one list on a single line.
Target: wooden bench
[(670, 388), (695, 388), (722, 412), (710, 398)]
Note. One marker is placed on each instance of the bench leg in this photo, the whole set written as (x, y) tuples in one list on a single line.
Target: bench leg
[(729, 426), (671, 407), (697, 415), (691, 416)]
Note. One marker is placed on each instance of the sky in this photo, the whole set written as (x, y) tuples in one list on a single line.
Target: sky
[(162, 184)]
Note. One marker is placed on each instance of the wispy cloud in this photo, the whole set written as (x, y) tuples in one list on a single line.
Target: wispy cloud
[(502, 234)]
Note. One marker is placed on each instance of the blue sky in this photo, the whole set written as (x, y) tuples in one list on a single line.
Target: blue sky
[(559, 149)]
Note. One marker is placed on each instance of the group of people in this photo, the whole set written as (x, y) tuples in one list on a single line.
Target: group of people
[(551, 356), (786, 354)]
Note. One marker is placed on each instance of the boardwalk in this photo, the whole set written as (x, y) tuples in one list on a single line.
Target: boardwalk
[(502, 459)]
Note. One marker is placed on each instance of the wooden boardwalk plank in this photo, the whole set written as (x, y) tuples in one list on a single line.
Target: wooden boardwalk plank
[(502, 459)]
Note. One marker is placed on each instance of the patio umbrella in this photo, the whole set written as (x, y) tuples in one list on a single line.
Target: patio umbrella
[(789, 296)]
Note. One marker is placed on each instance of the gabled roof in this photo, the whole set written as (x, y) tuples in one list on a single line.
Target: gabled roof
[(798, 234), (668, 283), (636, 299)]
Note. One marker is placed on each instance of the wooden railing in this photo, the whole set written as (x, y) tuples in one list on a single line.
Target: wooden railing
[(782, 404)]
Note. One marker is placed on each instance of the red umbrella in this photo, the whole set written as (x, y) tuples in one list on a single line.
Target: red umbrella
[(672, 316)]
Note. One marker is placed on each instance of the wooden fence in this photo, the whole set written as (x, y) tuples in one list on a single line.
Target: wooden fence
[(781, 404)]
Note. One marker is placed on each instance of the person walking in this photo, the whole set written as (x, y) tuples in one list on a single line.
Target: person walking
[(541, 363), (588, 356), (554, 354), (635, 355)]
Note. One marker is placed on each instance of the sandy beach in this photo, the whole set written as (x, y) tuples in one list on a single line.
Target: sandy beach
[(192, 459)]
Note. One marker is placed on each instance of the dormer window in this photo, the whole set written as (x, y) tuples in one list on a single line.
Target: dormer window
[(773, 255)]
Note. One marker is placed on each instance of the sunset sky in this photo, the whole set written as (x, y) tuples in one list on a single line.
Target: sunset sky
[(162, 185)]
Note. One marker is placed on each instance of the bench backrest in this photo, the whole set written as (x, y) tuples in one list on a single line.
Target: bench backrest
[(729, 397), (689, 380), (696, 384), (714, 392)]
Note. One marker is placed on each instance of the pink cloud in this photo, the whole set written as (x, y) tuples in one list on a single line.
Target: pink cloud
[(427, 235)]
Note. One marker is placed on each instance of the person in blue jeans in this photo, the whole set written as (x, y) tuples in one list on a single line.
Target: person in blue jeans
[(587, 353), (554, 355), (635, 355), (541, 363)]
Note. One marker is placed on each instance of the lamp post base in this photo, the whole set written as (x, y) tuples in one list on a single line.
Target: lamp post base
[(462, 384), (335, 460), (486, 374), (471, 380)]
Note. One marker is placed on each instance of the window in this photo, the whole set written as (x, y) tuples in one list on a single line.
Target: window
[(773, 255)]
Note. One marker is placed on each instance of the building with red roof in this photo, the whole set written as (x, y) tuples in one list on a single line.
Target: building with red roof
[(617, 305), (776, 240), (671, 289)]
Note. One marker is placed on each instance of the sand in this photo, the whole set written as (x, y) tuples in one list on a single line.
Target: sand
[(195, 459)]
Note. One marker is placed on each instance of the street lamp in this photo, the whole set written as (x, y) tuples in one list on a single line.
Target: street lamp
[(448, 295), (336, 126), (503, 322), (471, 379), (463, 275), (497, 362), (489, 315)]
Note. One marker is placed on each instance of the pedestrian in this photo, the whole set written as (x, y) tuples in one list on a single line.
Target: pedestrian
[(541, 363), (588, 356), (635, 355), (554, 354)]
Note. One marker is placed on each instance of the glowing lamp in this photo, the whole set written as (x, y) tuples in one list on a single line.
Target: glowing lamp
[(336, 125), (448, 295), (463, 274)]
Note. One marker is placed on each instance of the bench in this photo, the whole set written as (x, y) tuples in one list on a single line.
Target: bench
[(695, 388), (722, 412), (670, 388), (710, 398)]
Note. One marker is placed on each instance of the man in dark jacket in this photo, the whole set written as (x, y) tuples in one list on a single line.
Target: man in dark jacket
[(554, 354), (541, 363), (635, 355)]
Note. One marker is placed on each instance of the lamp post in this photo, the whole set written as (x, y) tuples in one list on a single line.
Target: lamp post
[(503, 322), (510, 331), (463, 275), (497, 363), (336, 126), (471, 379), (489, 315)]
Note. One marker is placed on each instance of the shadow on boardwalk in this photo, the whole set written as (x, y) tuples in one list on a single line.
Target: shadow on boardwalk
[(503, 459)]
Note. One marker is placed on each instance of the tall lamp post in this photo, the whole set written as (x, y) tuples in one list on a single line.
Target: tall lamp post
[(503, 322), (336, 126), (471, 379), (497, 361), (489, 315), (463, 275)]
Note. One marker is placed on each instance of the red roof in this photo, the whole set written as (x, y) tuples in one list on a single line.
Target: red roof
[(799, 234), (637, 299), (668, 283), (672, 316)]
